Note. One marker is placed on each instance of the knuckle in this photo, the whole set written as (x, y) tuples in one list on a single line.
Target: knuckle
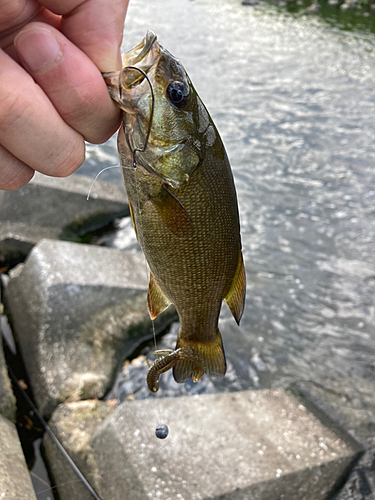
[(103, 134), (13, 108), (90, 112), (81, 105), (73, 158), (16, 180), (10, 11)]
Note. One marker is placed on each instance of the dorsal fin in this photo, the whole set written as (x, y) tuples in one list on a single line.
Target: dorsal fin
[(237, 293), (156, 300), (172, 211)]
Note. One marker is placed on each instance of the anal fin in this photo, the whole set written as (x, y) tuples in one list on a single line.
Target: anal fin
[(237, 293), (156, 299)]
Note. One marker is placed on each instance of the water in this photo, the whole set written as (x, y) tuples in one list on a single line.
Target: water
[(294, 100)]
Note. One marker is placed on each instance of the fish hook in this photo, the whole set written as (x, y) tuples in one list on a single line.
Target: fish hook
[(141, 150)]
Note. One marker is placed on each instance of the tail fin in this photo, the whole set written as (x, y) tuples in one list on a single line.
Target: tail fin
[(212, 354)]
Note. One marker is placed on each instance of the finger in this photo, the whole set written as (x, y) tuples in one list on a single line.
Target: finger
[(71, 81), (15, 14), (95, 26), (13, 173), (30, 127)]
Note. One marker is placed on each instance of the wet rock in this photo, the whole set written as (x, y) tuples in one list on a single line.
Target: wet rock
[(123, 238), (17, 240), (75, 424), (348, 4), (361, 482), (7, 399), (49, 207), (313, 8), (241, 371), (76, 310), (15, 483), (250, 2), (258, 445), (351, 406)]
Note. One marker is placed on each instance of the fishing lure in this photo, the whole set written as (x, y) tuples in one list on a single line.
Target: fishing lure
[(168, 361)]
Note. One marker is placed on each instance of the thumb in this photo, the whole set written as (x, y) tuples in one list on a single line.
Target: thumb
[(96, 27)]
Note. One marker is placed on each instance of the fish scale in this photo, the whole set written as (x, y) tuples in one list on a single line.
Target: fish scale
[(183, 204)]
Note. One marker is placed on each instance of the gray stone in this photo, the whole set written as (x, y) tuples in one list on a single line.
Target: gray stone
[(49, 207), (258, 445), (76, 311), (361, 482), (17, 240), (243, 367), (352, 408), (15, 483), (7, 399), (74, 424), (250, 2)]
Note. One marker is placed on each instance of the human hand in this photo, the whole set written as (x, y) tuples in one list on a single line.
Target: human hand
[(52, 94)]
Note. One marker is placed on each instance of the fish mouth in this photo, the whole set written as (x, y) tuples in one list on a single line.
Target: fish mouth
[(139, 53), (135, 64)]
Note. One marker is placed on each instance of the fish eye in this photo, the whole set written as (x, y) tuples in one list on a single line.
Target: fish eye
[(178, 94)]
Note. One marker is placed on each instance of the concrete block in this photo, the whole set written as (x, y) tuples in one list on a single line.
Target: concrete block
[(7, 399), (74, 424), (350, 406), (360, 484), (76, 311), (50, 207), (15, 483), (17, 240), (241, 368), (258, 445)]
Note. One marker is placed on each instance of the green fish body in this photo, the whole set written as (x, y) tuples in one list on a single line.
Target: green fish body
[(183, 204)]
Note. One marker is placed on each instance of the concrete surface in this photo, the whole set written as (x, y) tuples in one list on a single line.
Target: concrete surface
[(17, 239), (76, 310), (258, 445), (360, 484), (352, 411), (15, 483), (50, 207), (7, 399)]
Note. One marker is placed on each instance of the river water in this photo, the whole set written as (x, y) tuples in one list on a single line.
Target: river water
[(294, 100)]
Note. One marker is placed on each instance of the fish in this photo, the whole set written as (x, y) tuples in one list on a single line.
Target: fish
[(183, 206)]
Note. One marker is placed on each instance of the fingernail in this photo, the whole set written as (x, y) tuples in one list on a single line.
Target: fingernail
[(38, 49)]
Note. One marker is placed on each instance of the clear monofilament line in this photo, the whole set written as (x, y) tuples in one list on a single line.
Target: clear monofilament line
[(103, 170)]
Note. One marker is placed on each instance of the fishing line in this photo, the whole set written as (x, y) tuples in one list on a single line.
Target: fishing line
[(53, 436), (134, 166), (142, 150), (136, 150), (51, 489), (97, 175)]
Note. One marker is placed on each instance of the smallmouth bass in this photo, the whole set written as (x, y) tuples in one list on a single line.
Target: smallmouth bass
[(183, 206)]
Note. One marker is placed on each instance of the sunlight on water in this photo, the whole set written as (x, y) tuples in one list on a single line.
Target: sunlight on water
[(294, 100)]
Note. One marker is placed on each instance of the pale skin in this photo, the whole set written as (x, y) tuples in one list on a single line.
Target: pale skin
[(52, 94)]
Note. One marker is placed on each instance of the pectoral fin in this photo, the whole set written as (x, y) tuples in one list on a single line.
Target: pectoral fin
[(172, 212), (156, 300), (236, 295)]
